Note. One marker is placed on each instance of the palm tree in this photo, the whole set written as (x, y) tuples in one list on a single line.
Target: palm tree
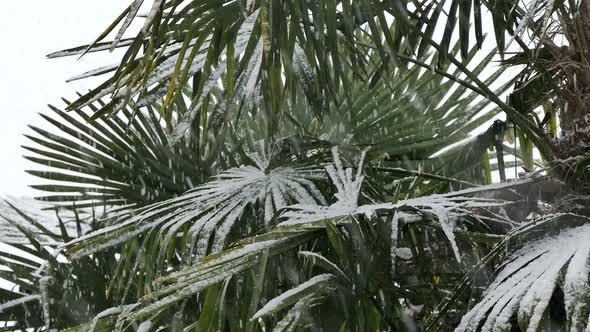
[(311, 165)]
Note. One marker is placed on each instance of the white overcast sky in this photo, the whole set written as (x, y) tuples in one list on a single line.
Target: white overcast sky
[(28, 81)]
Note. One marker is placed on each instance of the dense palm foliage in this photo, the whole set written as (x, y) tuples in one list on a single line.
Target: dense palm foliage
[(312, 165)]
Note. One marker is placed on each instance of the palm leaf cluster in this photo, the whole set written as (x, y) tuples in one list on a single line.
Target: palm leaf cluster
[(309, 165), (314, 43)]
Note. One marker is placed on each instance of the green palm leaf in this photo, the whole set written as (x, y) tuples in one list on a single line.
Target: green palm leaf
[(531, 277)]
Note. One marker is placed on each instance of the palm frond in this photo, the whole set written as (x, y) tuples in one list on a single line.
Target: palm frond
[(41, 289), (248, 45), (313, 286), (206, 215), (544, 276), (47, 225), (121, 161)]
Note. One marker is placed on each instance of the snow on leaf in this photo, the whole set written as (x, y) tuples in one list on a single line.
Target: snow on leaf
[(245, 31), (105, 313), (208, 204), (19, 301), (210, 210), (242, 38), (34, 210), (394, 236), (347, 193), (289, 322), (217, 268), (324, 263), (165, 69), (311, 286), (151, 16), (302, 68), (127, 309), (446, 208), (44, 288), (576, 288), (447, 225), (133, 9), (250, 75), (145, 326), (94, 72), (527, 282), (404, 253), (79, 50), (187, 119)]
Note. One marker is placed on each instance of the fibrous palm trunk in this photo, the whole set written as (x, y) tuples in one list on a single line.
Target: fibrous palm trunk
[(573, 64)]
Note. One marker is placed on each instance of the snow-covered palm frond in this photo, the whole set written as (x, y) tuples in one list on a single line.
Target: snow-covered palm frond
[(217, 267), (40, 289), (183, 51), (210, 210), (348, 188), (300, 294), (180, 61), (22, 256), (527, 282), (28, 237), (447, 208), (291, 320), (31, 217)]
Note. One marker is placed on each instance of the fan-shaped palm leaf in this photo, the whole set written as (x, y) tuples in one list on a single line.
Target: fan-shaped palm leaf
[(121, 161), (531, 278)]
